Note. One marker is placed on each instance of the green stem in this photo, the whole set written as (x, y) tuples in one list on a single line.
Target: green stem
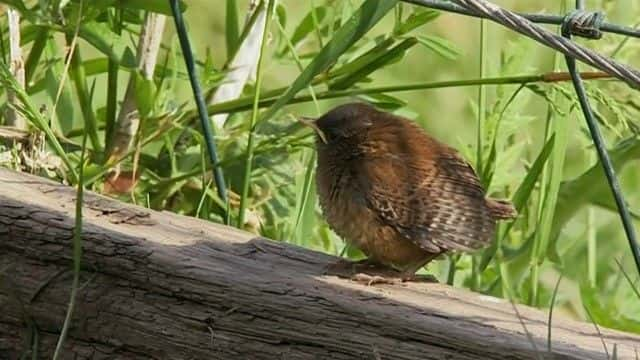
[(36, 119), (254, 118), (34, 55), (270, 97), (542, 198), (79, 79), (552, 175), (77, 254), (112, 86), (451, 272), (243, 104), (482, 98), (316, 24), (591, 248)]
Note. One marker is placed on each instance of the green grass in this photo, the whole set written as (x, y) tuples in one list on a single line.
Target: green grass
[(522, 130)]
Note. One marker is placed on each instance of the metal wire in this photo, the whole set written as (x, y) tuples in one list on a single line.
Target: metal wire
[(598, 141), (519, 24), (197, 93), (536, 18)]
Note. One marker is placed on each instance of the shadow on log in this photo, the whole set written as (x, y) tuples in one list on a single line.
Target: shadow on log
[(156, 285)]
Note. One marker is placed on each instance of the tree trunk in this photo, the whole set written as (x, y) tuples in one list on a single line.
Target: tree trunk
[(157, 285)]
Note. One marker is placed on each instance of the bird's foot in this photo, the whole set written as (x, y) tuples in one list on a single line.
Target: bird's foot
[(371, 272), (422, 278), (373, 279), (346, 268), (368, 272), (390, 277)]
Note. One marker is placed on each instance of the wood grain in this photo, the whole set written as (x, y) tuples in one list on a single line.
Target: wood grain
[(162, 286)]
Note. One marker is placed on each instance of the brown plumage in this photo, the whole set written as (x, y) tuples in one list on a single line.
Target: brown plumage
[(396, 193)]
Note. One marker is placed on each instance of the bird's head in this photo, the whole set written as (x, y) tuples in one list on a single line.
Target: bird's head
[(342, 122)]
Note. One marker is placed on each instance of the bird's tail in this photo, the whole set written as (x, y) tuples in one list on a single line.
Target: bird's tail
[(501, 209)]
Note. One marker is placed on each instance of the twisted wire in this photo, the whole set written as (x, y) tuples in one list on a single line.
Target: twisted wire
[(519, 24), (587, 24), (447, 5)]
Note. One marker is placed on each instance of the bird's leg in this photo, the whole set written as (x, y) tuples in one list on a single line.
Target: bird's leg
[(369, 280), (367, 271), (347, 268), (413, 277), (370, 272), (409, 274)]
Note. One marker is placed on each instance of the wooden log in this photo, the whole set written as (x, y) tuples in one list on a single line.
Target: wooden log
[(157, 285)]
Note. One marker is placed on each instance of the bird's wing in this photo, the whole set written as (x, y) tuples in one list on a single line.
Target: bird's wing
[(438, 203)]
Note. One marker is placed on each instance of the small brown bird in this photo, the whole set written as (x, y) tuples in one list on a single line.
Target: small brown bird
[(396, 193)]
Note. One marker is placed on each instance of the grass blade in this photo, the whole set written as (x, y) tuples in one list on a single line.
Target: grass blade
[(77, 254), (359, 24), (303, 197), (635, 288), (30, 113), (80, 80), (551, 306), (375, 63), (242, 63), (232, 27), (244, 197), (520, 197)]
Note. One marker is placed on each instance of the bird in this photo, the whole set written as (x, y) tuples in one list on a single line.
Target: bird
[(396, 193)]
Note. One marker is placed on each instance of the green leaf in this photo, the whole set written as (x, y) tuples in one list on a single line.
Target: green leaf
[(306, 26), (232, 29), (633, 286), (145, 94), (109, 43), (385, 101), (359, 24), (526, 187), (374, 63), (304, 189), (27, 108), (157, 6), (417, 19), (16, 4), (602, 313), (521, 196), (281, 15), (351, 66), (556, 168), (591, 187), (65, 111), (440, 46)]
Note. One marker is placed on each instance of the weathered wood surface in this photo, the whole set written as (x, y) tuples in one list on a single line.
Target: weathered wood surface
[(162, 286)]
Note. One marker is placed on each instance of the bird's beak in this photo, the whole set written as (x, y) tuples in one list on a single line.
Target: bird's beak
[(311, 122)]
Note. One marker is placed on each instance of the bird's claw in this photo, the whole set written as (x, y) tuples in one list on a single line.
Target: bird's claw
[(347, 268), (370, 272), (423, 278), (372, 279)]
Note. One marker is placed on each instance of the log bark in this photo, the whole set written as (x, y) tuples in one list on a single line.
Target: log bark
[(157, 285)]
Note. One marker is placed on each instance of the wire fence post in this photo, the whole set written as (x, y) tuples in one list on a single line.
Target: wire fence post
[(587, 25), (200, 103)]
